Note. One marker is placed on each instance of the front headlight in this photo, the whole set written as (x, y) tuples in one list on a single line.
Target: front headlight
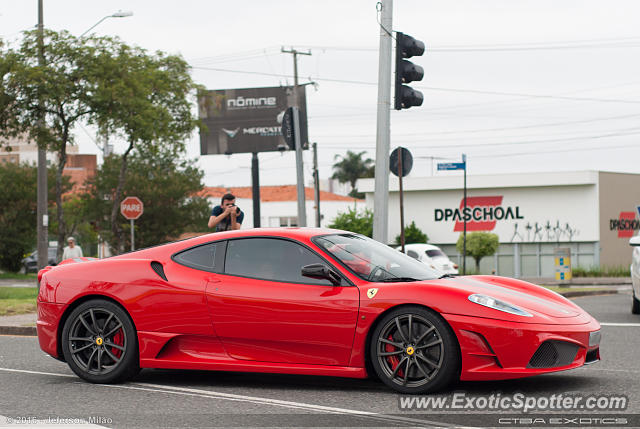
[(497, 304)]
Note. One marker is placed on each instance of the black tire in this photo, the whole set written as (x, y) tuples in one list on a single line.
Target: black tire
[(424, 360), (635, 304), (100, 343)]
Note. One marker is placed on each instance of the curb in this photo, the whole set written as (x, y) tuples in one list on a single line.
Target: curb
[(18, 330), (576, 294)]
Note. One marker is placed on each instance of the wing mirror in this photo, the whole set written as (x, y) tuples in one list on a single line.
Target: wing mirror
[(321, 271), (634, 241)]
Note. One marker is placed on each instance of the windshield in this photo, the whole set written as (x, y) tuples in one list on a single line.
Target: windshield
[(373, 261), (436, 253)]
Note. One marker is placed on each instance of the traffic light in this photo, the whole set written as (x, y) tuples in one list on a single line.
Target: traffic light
[(406, 71)]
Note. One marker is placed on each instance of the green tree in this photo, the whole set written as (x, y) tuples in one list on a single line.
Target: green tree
[(57, 92), (479, 245), (168, 187), (352, 220), (352, 167), (141, 97), (18, 211), (145, 98), (412, 234)]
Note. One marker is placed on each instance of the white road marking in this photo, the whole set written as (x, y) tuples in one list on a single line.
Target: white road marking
[(620, 324), (183, 391), (37, 372)]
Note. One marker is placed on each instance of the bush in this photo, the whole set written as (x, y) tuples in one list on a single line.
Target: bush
[(361, 223), (412, 234), (479, 245), (597, 271)]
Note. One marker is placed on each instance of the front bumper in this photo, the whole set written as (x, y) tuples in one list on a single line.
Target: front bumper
[(494, 349)]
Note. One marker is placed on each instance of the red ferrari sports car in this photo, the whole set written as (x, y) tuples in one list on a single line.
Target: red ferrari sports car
[(303, 301)]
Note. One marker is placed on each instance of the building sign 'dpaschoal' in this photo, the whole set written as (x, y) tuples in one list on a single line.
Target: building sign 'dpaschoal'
[(626, 224), (481, 213)]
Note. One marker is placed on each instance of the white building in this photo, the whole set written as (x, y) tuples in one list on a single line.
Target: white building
[(279, 204), (592, 212)]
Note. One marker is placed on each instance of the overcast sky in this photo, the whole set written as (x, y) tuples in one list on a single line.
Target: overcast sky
[(517, 85)]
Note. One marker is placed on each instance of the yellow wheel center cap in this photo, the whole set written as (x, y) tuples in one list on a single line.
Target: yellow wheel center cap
[(410, 350), (99, 341)]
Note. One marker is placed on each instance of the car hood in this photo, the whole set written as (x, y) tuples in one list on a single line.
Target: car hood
[(450, 295), (529, 297)]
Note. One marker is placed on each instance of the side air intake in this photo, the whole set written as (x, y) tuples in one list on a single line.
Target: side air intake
[(157, 267)]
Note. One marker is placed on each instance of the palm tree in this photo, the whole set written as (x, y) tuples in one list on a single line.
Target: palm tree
[(352, 167)]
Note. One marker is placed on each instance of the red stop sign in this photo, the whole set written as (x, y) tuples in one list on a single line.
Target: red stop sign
[(131, 208)]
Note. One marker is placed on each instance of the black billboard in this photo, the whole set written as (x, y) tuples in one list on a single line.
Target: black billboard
[(245, 120)]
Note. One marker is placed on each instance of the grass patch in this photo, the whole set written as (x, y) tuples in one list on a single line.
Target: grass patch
[(598, 271), (18, 276), (17, 300)]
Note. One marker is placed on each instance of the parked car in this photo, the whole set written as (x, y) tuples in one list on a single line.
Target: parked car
[(30, 263), (431, 255), (635, 274), (303, 301)]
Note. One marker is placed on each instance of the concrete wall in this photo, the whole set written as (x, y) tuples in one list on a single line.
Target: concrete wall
[(619, 196)]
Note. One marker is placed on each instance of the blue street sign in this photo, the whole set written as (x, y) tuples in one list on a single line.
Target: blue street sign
[(451, 166)]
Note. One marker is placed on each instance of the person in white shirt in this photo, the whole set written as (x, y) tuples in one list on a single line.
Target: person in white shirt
[(72, 250)]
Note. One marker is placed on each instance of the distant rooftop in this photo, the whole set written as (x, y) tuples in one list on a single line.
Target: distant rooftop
[(272, 193)]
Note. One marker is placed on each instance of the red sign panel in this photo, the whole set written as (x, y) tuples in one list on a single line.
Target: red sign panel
[(482, 203), (626, 224), (131, 208)]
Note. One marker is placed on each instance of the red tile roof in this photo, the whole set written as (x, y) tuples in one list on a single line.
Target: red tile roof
[(272, 193)]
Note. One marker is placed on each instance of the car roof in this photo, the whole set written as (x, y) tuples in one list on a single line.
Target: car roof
[(421, 246), (297, 233)]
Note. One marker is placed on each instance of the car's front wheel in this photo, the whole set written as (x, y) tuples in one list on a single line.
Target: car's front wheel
[(635, 304), (99, 342), (413, 350)]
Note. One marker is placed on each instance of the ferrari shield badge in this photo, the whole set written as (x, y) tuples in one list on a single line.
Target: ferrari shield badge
[(372, 292)]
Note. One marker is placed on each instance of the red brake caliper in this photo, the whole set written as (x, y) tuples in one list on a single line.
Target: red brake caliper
[(119, 340), (393, 359)]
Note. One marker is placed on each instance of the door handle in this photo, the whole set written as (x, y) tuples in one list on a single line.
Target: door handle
[(213, 279)]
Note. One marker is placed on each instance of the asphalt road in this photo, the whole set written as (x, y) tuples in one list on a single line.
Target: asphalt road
[(33, 385)]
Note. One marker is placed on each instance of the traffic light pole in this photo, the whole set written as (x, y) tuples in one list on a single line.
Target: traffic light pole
[(316, 183), (381, 195), (302, 212)]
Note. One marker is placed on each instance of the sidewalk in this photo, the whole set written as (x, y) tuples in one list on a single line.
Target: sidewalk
[(580, 281), (21, 324)]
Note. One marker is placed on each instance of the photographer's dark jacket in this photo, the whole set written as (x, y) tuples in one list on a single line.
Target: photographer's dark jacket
[(225, 224)]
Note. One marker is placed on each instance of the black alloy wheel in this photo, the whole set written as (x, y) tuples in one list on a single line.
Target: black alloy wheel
[(100, 343), (414, 351)]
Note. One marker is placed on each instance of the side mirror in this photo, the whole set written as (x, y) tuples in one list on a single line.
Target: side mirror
[(321, 271), (634, 241)]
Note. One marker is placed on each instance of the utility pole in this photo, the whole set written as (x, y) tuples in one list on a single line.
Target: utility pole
[(302, 213), (316, 183), (43, 218), (381, 196)]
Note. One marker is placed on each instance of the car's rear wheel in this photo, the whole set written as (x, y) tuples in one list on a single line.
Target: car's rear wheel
[(635, 304), (99, 342), (413, 350)]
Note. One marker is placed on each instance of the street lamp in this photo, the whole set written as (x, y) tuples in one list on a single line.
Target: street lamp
[(118, 14)]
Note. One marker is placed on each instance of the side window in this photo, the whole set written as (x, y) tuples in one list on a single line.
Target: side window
[(201, 257), (413, 254), (271, 259)]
